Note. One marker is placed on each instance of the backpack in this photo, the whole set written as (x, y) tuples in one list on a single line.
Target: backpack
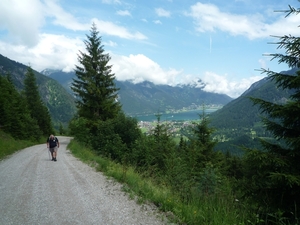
[(52, 142)]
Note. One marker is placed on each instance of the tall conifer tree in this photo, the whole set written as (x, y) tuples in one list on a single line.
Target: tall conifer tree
[(37, 108), (94, 87), (273, 174)]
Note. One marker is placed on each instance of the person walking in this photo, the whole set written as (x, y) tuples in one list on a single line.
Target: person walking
[(53, 145)]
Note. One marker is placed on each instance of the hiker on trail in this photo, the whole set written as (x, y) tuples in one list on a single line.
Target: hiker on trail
[(53, 145)]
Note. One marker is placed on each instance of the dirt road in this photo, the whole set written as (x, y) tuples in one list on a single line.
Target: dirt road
[(35, 190)]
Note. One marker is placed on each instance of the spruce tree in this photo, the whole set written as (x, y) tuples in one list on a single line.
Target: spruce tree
[(202, 143), (273, 173), (94, 86), (37, 108), (163, 144)]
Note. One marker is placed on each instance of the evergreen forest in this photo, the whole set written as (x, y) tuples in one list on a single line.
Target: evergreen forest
[(23, 114)]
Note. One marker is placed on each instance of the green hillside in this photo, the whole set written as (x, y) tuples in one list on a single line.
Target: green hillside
[(60, 103), (238, 123)]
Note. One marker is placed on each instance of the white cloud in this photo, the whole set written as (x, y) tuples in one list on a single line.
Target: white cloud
[(22, 19), (63, 18), (60, 52), (157, 22), (52, 51), (123, 13), (139, 68), (162, 12), (105, 27), (67, 20), (208, 17), (221, 84), (44, 50), (110, 43)]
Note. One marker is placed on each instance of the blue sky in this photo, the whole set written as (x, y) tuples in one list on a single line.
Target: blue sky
[(163, 41)]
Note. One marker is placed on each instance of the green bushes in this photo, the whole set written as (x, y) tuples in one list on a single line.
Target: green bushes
[(187, 179), (113, 138), (218, 206)]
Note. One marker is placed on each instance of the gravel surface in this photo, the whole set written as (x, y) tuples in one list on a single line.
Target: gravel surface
[(35, 190)]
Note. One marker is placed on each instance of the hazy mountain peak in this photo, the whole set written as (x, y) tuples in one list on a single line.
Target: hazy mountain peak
[(256, 85), (48, 72)]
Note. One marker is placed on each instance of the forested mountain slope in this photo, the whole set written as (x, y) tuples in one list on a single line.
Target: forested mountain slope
[(147, 98), (60, 103), (240, 112), (238, 123)]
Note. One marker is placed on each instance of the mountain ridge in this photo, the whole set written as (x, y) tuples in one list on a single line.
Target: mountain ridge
[(147, 97), (239, 123)]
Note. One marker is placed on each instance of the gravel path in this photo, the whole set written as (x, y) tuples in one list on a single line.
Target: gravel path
[(35, 190)]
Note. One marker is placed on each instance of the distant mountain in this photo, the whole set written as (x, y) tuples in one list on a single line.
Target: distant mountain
[(60, 103), (147, 98), (64, 78), (240, 112), (238, 123)]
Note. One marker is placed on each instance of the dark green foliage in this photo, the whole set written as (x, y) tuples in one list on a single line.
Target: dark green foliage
[(107, 142), (79, 129), (235, 147), (162, 145), (15, 117), (127, 128), (94, 86), (100, 123), (201, 145), (37, 109), (112, 138), (273, 174), (233, 167), (152, 152), (202, 136), (61, 104), (121, 138), (177, 175), (192, 168), (61, 129)]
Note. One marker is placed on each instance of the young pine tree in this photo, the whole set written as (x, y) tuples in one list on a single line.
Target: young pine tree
[(273, 174), (163, 145), (94, 86), (203, 142)]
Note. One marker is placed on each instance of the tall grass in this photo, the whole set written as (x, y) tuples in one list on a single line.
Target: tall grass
[(8, 145), (215, 209)]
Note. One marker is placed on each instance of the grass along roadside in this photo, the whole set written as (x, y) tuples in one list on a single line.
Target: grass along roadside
[(219, 209), (8, 145)]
